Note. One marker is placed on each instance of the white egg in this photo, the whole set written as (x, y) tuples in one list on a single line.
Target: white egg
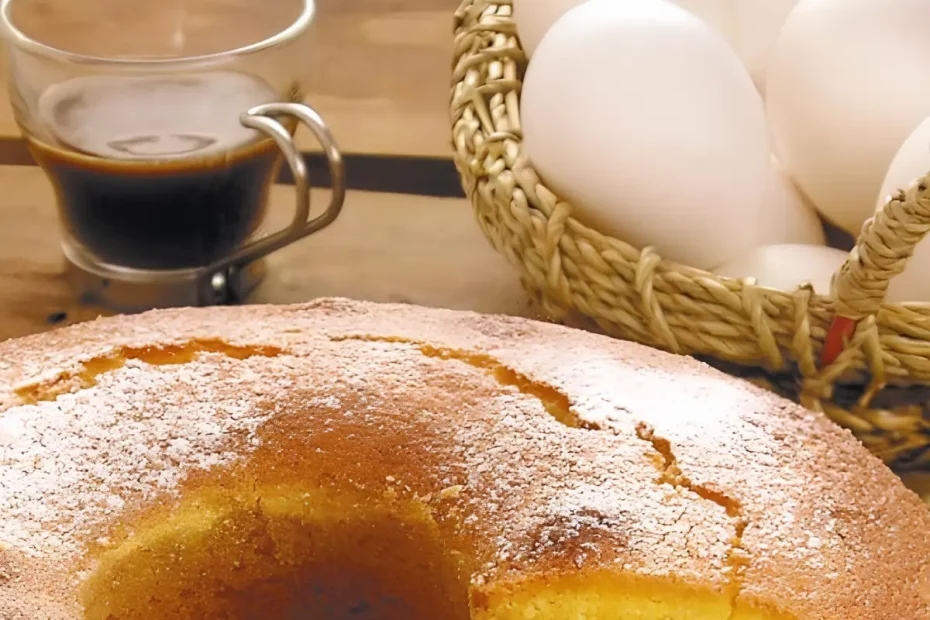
[(750, 26), (755, 29), (788, 217), (647, 122), (844, 90), (910, 164), (534, 18), (719, 14), (786, 267)]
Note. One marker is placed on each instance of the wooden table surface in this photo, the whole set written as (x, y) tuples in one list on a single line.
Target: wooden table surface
[(384, 247)]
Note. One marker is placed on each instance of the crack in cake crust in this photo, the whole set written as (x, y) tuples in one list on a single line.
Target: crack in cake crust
[(559, 406), (553, 401), (93, 368), (671, 474)]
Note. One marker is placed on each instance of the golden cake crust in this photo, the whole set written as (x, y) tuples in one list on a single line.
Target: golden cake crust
[(538, 451)]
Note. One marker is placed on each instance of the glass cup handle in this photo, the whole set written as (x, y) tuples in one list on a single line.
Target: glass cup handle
[(265, 118)]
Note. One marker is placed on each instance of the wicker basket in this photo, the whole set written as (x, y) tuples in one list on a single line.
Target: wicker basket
[(863, 362)]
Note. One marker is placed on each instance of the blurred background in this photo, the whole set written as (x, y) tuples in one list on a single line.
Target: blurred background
[(378, 72)]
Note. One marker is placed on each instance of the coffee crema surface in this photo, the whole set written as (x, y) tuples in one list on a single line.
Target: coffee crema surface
[(157, 172)]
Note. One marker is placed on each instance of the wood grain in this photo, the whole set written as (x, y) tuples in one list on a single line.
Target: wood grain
[(377, 70), (384, 247), (385, 83)]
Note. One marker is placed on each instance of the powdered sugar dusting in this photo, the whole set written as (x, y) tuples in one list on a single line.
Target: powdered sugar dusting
[(520, 490), (68, 465)]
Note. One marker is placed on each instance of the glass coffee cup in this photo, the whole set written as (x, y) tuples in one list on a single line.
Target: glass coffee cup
[(162, 127)]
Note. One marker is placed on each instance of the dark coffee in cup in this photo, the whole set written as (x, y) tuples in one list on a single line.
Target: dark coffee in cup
[(156, 172)]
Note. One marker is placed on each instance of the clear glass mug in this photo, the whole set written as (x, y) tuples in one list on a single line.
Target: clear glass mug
[(162, 126)]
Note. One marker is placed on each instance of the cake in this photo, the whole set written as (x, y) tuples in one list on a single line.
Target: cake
[(352, 460)]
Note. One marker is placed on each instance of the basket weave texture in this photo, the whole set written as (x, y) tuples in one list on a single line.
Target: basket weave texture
[(878, 382)]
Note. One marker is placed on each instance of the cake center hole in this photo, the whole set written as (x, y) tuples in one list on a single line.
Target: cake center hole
[(293, 560)]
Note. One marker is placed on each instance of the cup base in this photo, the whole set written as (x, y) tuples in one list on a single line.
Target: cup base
[(127, 290)]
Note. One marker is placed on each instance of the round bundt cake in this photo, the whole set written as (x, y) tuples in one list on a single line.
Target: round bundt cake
[(351, 460)]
